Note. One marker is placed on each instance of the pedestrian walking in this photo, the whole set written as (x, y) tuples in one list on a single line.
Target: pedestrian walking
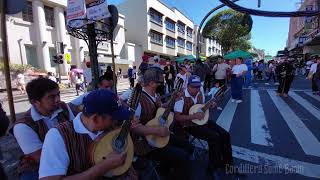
[(132, 75), (238, 72), (87, 74), (109, 73), (200, 70), (184, 75), (169, 76), (220, 71), (119, 74), (209, 75), (272, 72), (312, 75), (79, 82), (51, 77), (144, 65), (286, 75), (260, 69), (20, 82)]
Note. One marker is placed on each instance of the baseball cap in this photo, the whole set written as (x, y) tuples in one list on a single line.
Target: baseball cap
[(103, 101), (194, 81)]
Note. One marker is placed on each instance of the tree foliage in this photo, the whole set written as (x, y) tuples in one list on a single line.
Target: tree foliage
[(231, 29)]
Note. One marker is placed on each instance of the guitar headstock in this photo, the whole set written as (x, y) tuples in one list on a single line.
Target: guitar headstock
[(179, 85), (135, 96)]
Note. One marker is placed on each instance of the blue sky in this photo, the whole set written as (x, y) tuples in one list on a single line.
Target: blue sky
[(268, 33)]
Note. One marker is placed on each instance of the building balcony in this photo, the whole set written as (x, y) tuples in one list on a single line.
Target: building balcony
[(156, 27)]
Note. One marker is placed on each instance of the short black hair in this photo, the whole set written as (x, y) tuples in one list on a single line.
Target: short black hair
[(37, 88), (108, 78)]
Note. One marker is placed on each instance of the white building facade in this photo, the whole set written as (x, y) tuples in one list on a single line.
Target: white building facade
[(208, 46), (32, 35), (157, 29)]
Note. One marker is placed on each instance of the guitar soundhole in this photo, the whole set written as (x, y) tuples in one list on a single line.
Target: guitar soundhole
[(118, 144), (103, 158)]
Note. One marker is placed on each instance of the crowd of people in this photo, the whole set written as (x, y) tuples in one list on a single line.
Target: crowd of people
[(56, 137)]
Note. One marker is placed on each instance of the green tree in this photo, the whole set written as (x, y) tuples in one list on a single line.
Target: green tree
[(231, 29)]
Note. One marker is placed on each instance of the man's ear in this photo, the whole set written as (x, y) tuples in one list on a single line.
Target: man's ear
[(95, 118), (35, 102)]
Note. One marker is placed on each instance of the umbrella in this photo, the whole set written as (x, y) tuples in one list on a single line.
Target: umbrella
[(76, 70), (238, 54), (192, 58)]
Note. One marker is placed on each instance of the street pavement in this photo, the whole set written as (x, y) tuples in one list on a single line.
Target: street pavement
[(272, 137)]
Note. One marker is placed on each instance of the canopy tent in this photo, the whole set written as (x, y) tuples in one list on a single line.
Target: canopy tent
[(238, 54), (190, 57), (268, 58)]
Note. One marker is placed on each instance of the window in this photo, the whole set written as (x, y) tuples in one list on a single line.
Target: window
[(171, 42), (31, 54), (170, 25), (156, 37), (49, 15), (181, 28), (155, 16), (189, 32), (209, 50), (27, 12), (189, 46), (181, 42)]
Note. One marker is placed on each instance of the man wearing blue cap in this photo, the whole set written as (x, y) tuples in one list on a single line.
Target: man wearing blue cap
[(220, 152), (65, 149)]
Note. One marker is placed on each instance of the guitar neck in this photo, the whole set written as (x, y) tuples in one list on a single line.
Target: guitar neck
[(207, 105), (125, 129), (170, 106)]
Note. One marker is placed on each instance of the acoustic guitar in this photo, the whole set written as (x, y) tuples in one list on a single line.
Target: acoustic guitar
[(205, 107), (164, 117), (118, 140)]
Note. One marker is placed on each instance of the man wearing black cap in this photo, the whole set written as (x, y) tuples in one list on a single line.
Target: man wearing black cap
[(171, 156), (65, 149), (220, 152), (285, 75)]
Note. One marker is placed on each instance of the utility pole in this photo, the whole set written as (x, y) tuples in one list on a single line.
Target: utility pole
[(6, 59)]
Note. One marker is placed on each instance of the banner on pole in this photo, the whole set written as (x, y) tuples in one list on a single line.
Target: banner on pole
[(97, 9), (76, 9)]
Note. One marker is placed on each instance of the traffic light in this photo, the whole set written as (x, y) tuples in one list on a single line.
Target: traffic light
[(58, 59)]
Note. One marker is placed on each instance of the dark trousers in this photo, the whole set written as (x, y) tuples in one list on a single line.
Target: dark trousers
[(131, 80), (170, 84), (218, 139), (236, 87), (315, 87), (272, 75), (221, 82), (285, 84), (174, 156), (260, 75), (207, 82)]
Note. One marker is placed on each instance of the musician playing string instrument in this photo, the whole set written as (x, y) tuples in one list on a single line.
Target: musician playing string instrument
[(46, 112), (65, 153), (218, 139), (170, 156)]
